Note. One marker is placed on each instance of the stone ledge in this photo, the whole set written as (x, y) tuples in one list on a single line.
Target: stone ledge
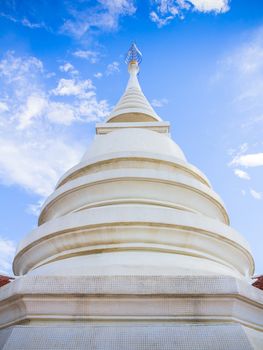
[(131, 298), (132, 285), (105, 128)]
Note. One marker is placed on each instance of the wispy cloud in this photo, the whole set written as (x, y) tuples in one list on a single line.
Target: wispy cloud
[(23, 81), (241, 174), (103, 15), (34, 160), (24, 22), (164, 11), (159, 103), (89, 55), (248, 160), (3, 107), (112, 68), (242, 70), (97, 75), (7, 252), (217, 6), (77, 18), (255, 194), (67, 67), (72, 87), (240, 158), (73, 18), (34, 148), (35, 208)]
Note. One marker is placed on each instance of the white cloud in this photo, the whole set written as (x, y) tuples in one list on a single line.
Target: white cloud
[(24, 22), (33, 108), (68, 68), (242, 174), (242, 71), (159, 103), (91, 56), (50, 75), (248, 160), (112, 68), (160, 21), (19, 70), (35, 208), (92, 110), (74, 18), (36, 160), (255, 194), (27, 23), (243, 148), (3, 107), (35, 146), (217, 6), (247, 59), (61, 113), (252, 121), (164, 11), (98, 75), (71, 87), (86, 106), (7, 252), (104, 15)]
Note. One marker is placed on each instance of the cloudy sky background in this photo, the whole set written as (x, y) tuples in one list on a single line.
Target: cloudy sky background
[(62, 70)]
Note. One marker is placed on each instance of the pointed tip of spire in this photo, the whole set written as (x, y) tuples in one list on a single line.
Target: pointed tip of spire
[(133, 55)]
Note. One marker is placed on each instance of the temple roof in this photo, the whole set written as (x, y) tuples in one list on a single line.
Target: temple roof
[(259, 282), (5, 280)]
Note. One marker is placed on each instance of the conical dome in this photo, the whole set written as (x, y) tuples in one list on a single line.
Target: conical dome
[(134, 201), (133, 251), (133, 105)]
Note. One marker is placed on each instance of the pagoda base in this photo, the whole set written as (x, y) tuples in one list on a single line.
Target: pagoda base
[(128, 336), (130, 312)]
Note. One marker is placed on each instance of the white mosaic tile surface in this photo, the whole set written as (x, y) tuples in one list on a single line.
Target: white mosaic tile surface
[(128, 337)]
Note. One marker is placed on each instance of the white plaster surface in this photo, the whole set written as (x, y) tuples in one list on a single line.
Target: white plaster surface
[(132, 201), (132, 140), (134, 250), (129, 337), (130, 309), (124, 228)]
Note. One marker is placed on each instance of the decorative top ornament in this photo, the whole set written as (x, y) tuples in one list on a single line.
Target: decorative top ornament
[(133, 105), (133, 55)]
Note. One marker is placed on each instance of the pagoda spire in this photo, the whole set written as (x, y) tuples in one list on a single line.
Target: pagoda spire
[(133, 55), (133, 60), (133, 105)]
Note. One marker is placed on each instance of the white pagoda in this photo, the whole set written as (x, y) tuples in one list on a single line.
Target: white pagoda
[(133, 251)]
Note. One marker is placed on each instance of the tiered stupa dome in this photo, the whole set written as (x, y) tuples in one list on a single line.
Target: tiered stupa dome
[(133, 251), (134, 205)]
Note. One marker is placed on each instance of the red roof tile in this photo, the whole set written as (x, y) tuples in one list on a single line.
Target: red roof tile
[(259, 282), (4, 280)]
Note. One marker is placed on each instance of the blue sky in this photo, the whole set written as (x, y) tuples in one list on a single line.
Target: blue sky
[(62, 70)]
